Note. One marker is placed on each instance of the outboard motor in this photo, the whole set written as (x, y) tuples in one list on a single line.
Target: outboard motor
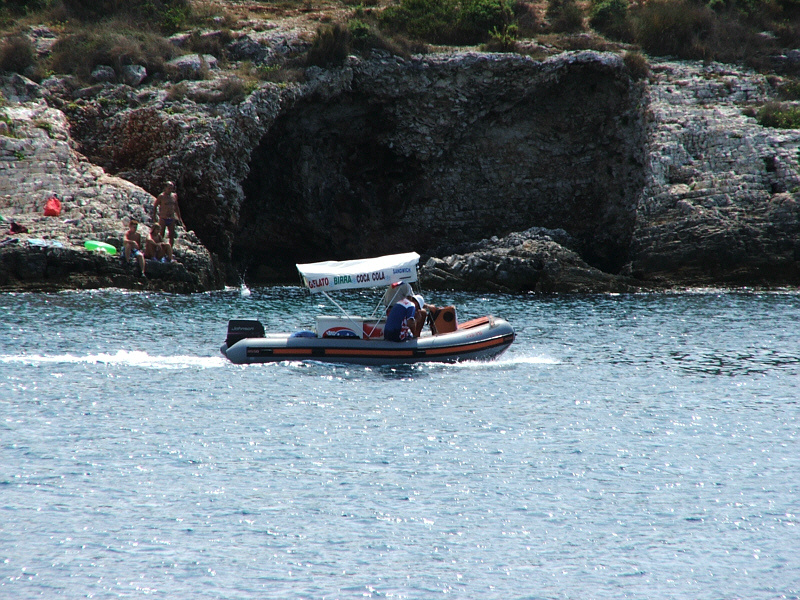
[(239, 329)]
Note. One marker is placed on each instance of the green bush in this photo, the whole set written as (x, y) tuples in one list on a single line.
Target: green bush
[(169, 15), (478, 18), (429, 20), (113, 45), (331, 46), (790, 90), (22, 7), (448, 21), (209, 44), (677, 28), (611, 18), (17, 54), (780, 116), (525, 19), (564, 16), (504, 40), (637, 65)]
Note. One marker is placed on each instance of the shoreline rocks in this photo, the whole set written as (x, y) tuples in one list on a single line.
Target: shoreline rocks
[(36, 161), (577, 177)]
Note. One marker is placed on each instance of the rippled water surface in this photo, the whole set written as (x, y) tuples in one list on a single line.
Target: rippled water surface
[(624, 447)]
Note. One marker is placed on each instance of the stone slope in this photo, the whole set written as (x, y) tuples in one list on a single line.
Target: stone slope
[(37, 160)]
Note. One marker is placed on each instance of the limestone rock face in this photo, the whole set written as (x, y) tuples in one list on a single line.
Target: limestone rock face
[(103, 74), (36, 161), (133, 75), (609, 183), (246, 48), (191, 66), (721, 204)]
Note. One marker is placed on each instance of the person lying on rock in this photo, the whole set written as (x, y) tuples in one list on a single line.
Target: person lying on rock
[(155, 248), (167, 211), (132, 244), (405, 319)]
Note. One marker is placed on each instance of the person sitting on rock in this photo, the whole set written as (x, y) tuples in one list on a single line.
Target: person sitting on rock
[(167, 211), (133, 245), (155, 248), (405, 319)]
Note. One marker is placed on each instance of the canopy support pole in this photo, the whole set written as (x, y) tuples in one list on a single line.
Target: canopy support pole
[(349, 318)]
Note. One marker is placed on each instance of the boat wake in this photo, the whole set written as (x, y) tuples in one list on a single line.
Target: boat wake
[(510, 361), (121, 358)]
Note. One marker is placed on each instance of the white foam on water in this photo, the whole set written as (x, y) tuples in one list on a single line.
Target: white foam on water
[(498, 363), (122, 357), (503, 362)]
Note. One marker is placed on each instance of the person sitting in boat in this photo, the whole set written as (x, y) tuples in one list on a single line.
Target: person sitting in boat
[(420, 313), (155, 248), (396, 292), (405, 320), (133, 244)]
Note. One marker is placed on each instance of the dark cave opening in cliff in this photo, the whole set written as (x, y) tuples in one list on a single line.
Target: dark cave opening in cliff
[(322, 186), (334, 180)]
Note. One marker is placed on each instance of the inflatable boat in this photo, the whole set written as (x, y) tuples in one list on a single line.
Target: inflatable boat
[(354, 339)]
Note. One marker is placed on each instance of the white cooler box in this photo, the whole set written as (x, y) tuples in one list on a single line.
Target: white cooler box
[(355, 327)]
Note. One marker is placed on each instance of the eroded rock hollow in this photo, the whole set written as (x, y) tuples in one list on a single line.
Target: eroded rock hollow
[(428, 154)]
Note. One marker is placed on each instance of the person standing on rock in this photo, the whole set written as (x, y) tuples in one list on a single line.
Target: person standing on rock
[(167, 211), (133, 244)]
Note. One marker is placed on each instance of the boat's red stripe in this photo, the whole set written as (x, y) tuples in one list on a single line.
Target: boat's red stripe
[(471, 347), (292, 351), (402, 352), (350, 352)]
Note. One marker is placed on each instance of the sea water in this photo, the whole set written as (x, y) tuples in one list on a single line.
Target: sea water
[(641, 446)]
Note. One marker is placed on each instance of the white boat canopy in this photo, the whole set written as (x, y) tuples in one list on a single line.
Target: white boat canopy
[(331, 275)]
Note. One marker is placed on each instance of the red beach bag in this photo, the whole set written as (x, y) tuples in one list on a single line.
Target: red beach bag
[(52, 207)]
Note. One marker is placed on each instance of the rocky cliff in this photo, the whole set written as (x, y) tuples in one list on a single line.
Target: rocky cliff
[(720, 202), (609, 182), (47, 252)]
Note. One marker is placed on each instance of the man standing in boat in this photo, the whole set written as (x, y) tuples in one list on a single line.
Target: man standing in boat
[(167, 211)]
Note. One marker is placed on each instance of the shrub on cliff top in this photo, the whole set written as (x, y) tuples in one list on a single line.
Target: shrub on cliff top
[(674, 28), (110, 44), (331, 46), (637, 65), (688, 29), (448, 21), (611, 18), (779, 115), (478, 18), (564, 16), (504, 40), (169, 15), (16, 54), (364, 38)]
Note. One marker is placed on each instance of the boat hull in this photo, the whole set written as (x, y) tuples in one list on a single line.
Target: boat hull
[(482, 339)]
